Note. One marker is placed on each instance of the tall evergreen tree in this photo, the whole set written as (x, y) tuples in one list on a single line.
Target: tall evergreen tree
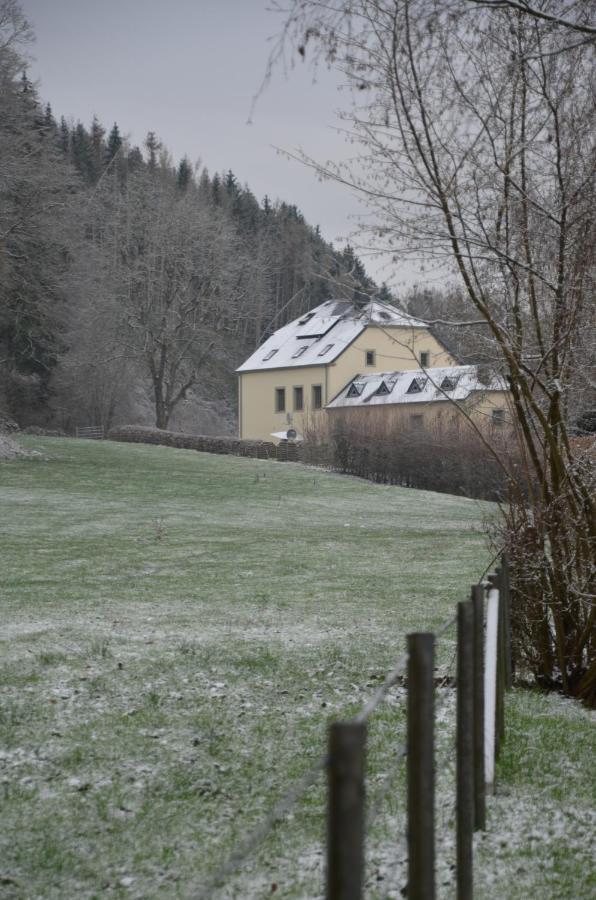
[(64, 138), (114, 143), (153, 146), (216, 191), (98, 149), (184, 174), (82, 153)]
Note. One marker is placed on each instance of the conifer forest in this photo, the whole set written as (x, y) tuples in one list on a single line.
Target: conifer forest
[(132, 285)]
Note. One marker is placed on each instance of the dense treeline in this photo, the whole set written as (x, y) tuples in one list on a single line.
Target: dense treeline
[(132, 287)]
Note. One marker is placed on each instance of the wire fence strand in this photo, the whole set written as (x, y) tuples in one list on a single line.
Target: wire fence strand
[(382, 691), (256, 837), (388, 782)]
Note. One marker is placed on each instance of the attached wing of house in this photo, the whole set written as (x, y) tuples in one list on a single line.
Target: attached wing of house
[(422, 395)]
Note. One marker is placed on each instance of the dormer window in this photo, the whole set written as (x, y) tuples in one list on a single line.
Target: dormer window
[(270, 355), (383, 388), (299, 352), (417, 386), (355, 389), (325, 349), (449, 383)]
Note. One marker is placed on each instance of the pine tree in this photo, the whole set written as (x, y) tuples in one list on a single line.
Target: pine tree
[(82, 152), (49, 120), (64, 137), (216, 190), (97, 135), (134, 160), (114, 144), (204, 187), (384, 294), (184, 174), (153, 146)]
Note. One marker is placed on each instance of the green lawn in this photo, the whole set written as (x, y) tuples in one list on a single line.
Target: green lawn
[(177, 629)]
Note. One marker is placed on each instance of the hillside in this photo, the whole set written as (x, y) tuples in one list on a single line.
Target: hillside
[(178, 629), (131, 284)]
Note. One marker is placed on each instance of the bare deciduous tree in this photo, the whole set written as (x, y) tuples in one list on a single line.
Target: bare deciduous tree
[(476, 124), (172, 269)]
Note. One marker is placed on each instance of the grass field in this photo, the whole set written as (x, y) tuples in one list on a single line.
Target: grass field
[(177, 630)]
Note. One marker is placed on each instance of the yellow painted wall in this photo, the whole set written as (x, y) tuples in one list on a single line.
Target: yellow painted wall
[(395, 349), (256, 398)]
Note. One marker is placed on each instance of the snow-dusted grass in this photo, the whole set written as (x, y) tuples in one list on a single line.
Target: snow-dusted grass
[(177, 630)]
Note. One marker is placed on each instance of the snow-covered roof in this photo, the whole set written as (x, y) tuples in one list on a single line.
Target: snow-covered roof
[(414, 386), (321, 335)]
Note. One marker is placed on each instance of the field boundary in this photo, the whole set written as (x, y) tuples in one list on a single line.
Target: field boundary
[(484, 673)]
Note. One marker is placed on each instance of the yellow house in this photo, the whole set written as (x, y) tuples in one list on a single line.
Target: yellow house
[(291, 378), (433, 398)]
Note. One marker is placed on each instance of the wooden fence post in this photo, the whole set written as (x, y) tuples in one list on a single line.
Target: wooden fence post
[(479, 777), (420, 767), (501, 676), (345, 814), (465, 750)]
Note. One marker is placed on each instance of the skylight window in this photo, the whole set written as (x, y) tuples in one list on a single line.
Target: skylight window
[(325, 349), (416, 386), (299, 352), (306, 318), (270, 355), (449, 383), (355, 389)]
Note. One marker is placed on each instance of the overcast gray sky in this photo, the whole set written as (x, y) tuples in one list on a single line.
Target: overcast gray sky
[(188, 70)]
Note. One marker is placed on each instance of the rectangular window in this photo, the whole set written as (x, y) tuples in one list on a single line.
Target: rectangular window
[(280, 399), (325, 349), (298, 399), (370, 357), (498, 416), (424, 359), (317, 396)]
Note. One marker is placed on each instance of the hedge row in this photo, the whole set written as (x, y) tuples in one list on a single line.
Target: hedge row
[(453, 462), (138, 434)]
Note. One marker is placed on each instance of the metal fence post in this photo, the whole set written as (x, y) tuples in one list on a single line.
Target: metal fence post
[(506, 584), (479, 776), (420, 767), (345, 814), (465, 750), (490, 686)]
